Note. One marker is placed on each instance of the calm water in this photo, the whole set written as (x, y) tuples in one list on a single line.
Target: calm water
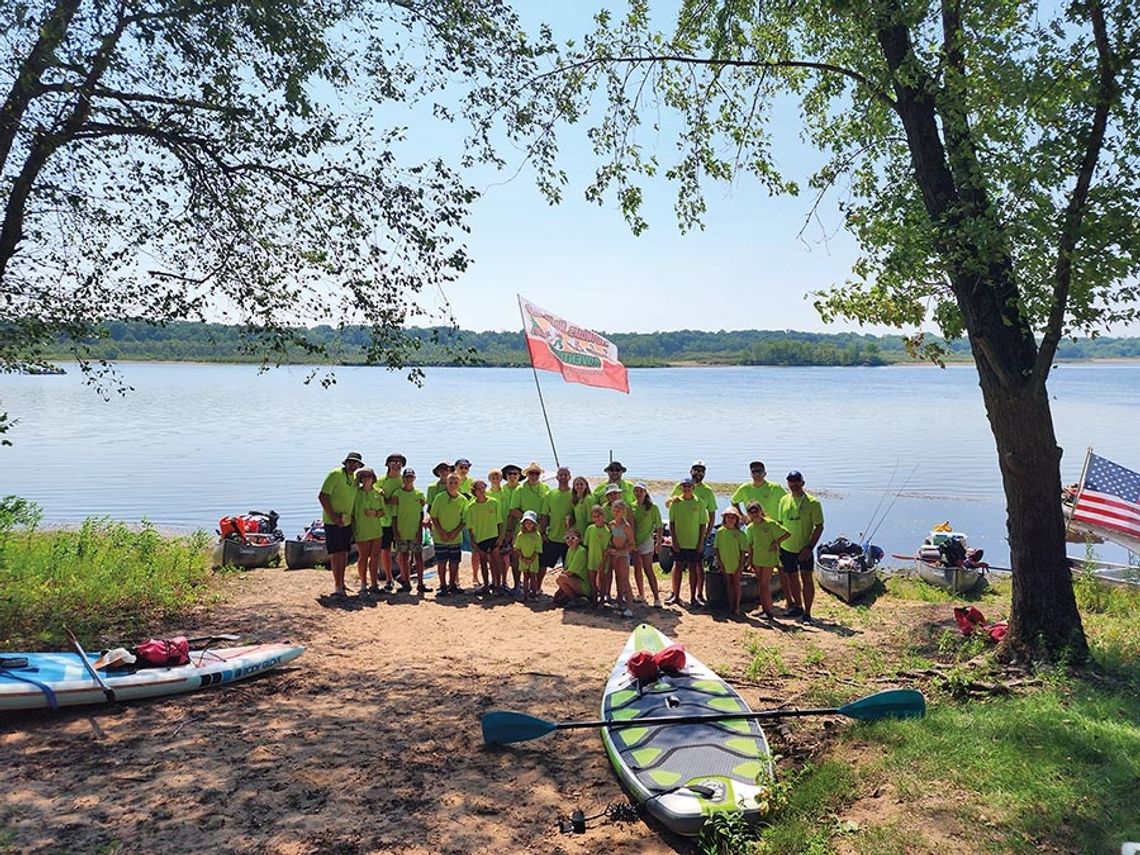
[(194, 442)]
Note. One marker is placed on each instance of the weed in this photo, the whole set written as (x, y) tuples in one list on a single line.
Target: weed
[(727, 833), (766, 661)]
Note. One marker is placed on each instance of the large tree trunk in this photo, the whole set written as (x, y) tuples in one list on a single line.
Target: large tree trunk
[(1044, 621)]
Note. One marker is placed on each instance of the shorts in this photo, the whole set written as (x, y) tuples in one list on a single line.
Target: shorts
[(485, 546), (412, 546), (552, 553), (447, 552), (388, 537), (690, 555), (338, 538), (790, 562), (645, 547)]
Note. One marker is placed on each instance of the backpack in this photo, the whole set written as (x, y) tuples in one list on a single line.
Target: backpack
[(953, 552), (165, 652)]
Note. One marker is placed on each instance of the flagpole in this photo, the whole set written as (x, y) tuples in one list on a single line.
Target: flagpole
[(537, 385), (1080, 488)]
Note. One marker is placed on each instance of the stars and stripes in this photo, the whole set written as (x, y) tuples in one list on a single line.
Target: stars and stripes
[(1109, 497)]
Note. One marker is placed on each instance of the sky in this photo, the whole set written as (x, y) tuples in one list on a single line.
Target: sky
[(748, 269)]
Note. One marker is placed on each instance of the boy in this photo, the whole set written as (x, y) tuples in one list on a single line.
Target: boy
[(486, 527), (528, 545), (688, 520), (447, 512), (406, 508), (597, 542)]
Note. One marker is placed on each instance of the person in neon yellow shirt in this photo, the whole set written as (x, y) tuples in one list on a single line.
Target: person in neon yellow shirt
[(389, 484), (700, 489), (441, 470), (406, 510), (731, 549), (688, 522), (574, 580), (368, 513), (648, 531), (447, 513), (802, 515), (527, 496), (337, 498), (615, 474), (552, 522), (764, 539), (597, 542), (759, 490), (485, 525), (581, 503), (528, 544)]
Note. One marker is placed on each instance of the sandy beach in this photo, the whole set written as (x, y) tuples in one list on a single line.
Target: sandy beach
[(370, 743)]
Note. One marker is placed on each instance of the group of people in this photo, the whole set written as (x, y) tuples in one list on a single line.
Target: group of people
[(605, 539)]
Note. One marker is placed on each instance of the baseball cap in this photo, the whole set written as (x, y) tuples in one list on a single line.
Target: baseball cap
[(530, 515), (463, 461), (698, 464), (687, 482), (409, 473), (795, 475), (613, 488)]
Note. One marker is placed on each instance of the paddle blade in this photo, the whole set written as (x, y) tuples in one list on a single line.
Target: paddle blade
[(501, 727), (893, 703)]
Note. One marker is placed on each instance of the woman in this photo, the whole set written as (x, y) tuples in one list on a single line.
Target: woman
[(581, 503), (648, 531), (368, 514)]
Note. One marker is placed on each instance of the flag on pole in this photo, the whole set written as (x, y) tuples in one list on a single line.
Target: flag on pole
[(1109, 496), (579, 355)]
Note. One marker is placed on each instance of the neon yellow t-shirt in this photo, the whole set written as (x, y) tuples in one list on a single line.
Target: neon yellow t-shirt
[(762, 537), (800, 517), (341, 489), (389, 486), (767, 494), (434, 490), (447, 513), (556, 506), (581, 512), (597, 540), (686, 518), (703, 492), (408, 513), (365, 527), (529, 547), (626, 492), (527, 498), (645, 522), (731, 544), (483, 519), (575, 565)]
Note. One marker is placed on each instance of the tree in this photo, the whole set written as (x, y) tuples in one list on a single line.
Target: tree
[(986, 159), (248, 161)]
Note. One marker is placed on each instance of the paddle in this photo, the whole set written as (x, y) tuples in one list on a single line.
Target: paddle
[(107, 690), (501, 727)]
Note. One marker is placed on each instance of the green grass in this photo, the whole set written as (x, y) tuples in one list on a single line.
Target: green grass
[(102, 580), (765, 662)]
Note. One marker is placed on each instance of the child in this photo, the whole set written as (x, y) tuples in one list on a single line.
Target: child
[(731, 548), (597, 542), (573, 581), (528, 545), (764, 539), (388, 485), (484, 522), (406, 508), (512, 473), (447, 512), (647, 533), (688, 520), (368, 528), (621, 542)]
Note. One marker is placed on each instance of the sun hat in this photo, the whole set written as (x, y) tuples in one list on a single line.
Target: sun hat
[(532, 467), (354, 457), (641, 485), (730, 510), (613, 488), (394, 456), (530, 516), (511, 467), (614, 465), (442, 465), (409, 473), (795, 475)]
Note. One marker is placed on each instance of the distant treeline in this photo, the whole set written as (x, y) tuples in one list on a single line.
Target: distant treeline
[(185, 341)]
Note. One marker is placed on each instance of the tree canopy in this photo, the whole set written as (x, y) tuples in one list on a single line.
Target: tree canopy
[(243, 161), (983, 153)]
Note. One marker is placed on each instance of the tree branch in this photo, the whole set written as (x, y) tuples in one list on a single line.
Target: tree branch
[(1074, 213)]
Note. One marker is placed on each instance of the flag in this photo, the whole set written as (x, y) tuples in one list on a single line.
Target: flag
[(579, 355), (1109, 497)]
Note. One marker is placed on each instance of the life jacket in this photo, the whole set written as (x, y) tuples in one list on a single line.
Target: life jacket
[(254, 527)]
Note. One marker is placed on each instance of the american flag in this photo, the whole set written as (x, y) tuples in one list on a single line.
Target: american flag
[(1110, 496)]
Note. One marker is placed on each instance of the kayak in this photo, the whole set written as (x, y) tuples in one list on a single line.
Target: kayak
[(43, 680), (729, 761)]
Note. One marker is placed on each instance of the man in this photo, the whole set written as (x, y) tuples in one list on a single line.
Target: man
[(556, 510), (528, 496), (337, 497), (801, 515), (688, 524), (758, 490), (615, 473)]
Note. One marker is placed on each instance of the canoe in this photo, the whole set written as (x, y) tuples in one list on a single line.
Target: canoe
[(956, 580), (234, 553), (71, 685), (846, 576), (302, 554), (717, 596), (655, 764)]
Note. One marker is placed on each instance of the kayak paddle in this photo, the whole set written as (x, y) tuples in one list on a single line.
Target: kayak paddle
[(501, 727), (108, 692)]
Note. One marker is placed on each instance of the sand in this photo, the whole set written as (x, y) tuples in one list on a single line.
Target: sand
[(370, 741)]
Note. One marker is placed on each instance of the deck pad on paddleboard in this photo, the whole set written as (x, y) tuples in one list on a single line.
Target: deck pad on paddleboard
[(730, 758)]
